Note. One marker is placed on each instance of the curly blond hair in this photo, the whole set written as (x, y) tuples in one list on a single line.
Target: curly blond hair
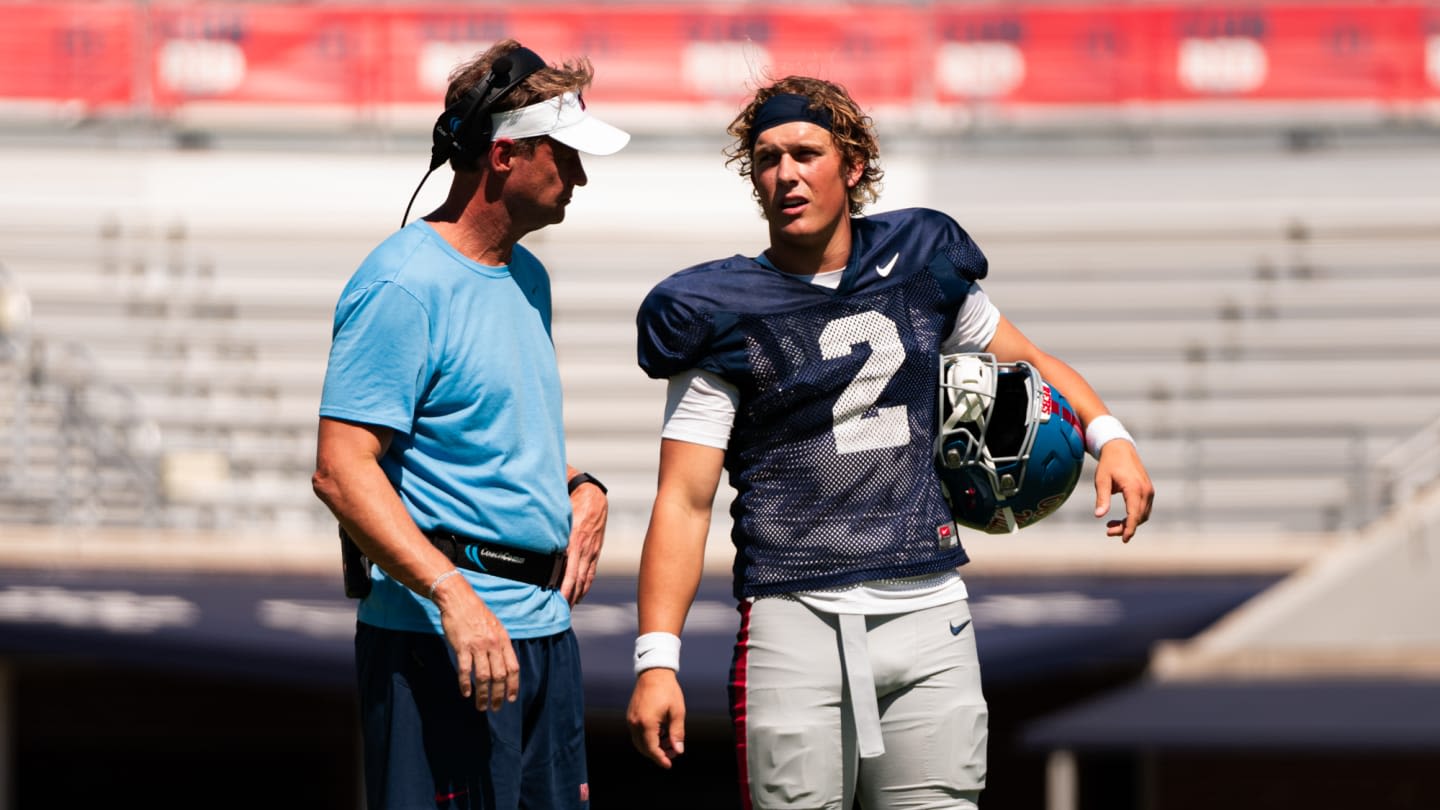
[(852, 130)]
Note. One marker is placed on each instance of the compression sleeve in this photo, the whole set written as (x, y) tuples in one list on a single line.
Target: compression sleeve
[(975, 325), (700, 408)]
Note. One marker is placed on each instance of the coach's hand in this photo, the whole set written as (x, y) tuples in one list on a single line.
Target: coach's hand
[(484, 658), (587, 535), (1120, 471), (657, 716)]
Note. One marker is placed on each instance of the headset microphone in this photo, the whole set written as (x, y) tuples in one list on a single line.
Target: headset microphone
[(465, 127)]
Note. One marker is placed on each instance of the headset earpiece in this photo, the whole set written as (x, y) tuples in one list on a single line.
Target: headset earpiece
[(464, 128)]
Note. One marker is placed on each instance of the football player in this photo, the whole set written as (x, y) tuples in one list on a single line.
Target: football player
[(807, 372)]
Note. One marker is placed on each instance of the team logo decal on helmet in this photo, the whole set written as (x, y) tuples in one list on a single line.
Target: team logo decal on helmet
[(1010, 448)]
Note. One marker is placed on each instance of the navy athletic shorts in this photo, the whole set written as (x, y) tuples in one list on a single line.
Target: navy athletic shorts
[(428, 747)]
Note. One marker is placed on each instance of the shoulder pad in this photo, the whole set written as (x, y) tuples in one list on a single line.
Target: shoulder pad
[(961, 258), (671, 335)]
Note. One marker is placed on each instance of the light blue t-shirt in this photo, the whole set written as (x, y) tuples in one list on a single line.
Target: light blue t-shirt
[(456, 357)]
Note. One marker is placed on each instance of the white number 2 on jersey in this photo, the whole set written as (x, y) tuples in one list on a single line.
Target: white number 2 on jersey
[(889, 427)]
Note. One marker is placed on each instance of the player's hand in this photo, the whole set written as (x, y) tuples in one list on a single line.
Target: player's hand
[(484, 658), (1121, 472), (587, 535), (657, 716)]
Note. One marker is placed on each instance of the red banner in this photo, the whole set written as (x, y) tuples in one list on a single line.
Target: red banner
[(69, 53), (160, 57)]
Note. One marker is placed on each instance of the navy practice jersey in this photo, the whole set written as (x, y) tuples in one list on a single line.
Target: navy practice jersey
[(831, 453)]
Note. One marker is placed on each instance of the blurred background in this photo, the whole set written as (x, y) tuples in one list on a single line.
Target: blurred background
[(1225, 215)]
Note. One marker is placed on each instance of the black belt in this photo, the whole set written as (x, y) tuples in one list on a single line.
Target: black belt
[(521, 565)]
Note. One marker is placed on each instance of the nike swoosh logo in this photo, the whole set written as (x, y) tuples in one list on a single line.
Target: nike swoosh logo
[(955, 631), (644, 653), (884, 269)]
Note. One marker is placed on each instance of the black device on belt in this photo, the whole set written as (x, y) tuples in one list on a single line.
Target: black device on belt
[(355, 567), (521, 565)]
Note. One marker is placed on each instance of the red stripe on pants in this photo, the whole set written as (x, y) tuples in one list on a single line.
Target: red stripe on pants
[(738, 681)]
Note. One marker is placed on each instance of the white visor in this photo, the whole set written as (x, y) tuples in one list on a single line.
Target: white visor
[(563, 118)]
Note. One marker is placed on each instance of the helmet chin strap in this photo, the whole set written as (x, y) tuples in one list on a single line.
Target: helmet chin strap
[(1010, 524), (971, 386)]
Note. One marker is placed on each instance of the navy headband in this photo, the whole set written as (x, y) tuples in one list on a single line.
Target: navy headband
[(786, 108)]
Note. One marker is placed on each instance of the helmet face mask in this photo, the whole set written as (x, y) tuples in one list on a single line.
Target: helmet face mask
[(1010, 449)]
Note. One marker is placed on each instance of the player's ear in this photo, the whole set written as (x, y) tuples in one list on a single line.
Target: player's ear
[(853, 174)]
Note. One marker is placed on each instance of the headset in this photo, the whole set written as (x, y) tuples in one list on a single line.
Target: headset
[(464, 128)]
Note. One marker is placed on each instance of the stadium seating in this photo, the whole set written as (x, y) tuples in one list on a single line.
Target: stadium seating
[(1262, 370)]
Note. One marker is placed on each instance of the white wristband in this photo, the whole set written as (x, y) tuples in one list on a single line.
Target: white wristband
[(1101, 430), (657, 649)]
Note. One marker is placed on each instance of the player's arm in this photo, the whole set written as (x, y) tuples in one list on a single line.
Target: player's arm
[(1119, 470), (671, 564), (349, 480)]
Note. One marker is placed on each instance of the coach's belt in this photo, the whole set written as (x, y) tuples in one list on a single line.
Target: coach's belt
[(521, 565)]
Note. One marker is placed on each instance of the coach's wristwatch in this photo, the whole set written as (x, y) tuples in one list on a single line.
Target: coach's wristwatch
[(587, 478)]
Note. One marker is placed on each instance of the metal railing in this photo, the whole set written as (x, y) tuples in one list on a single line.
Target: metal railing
[(1410, 467), (80, 449)]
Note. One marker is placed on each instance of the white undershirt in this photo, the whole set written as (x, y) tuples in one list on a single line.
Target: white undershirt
[(700, 408)]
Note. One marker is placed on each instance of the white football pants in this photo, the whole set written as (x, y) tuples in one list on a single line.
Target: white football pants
[(827, 705)]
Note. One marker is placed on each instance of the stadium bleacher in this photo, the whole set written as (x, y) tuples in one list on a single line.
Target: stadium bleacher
[(1263, 362)]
